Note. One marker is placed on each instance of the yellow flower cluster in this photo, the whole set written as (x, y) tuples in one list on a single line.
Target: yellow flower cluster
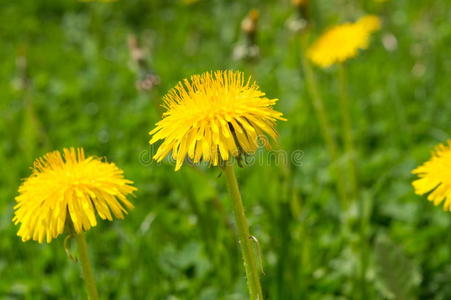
[(212, 117), (343, 42), (69, 190), (435, 177)]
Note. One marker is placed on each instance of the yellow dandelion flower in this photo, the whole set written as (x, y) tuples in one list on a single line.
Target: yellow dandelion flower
[(435, 177), (213, 117), (343, 42), (69, 188)]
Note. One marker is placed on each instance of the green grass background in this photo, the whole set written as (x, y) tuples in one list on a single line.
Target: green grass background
[(179, 241)]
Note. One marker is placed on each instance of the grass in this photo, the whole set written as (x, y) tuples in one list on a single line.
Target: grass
[(179, 242)]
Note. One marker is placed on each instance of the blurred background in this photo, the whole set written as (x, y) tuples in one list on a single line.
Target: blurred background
[(92, 74)]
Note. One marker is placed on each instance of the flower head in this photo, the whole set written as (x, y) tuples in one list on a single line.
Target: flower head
[(66, 189), (212, 117), (435, 177), (343, 42)]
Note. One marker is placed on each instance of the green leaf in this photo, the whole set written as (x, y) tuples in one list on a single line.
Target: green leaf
[(397, 276)]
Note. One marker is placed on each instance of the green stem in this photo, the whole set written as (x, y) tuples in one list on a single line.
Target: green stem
[(350, 150), (88, 275), (250, 263), (348, 138), (324, 123)]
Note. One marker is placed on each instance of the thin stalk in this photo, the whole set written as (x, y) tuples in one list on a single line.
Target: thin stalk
[(350, 150), (88, 274), (324, 123), (346, 124), (245, 238)]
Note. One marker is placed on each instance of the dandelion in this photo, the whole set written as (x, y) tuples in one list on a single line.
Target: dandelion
[(72, 188), (435, 177), (214, 117), (64, 193), (343, 42), (248, 49)]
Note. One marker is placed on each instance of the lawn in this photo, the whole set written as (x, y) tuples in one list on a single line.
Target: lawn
[(68, 77)]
